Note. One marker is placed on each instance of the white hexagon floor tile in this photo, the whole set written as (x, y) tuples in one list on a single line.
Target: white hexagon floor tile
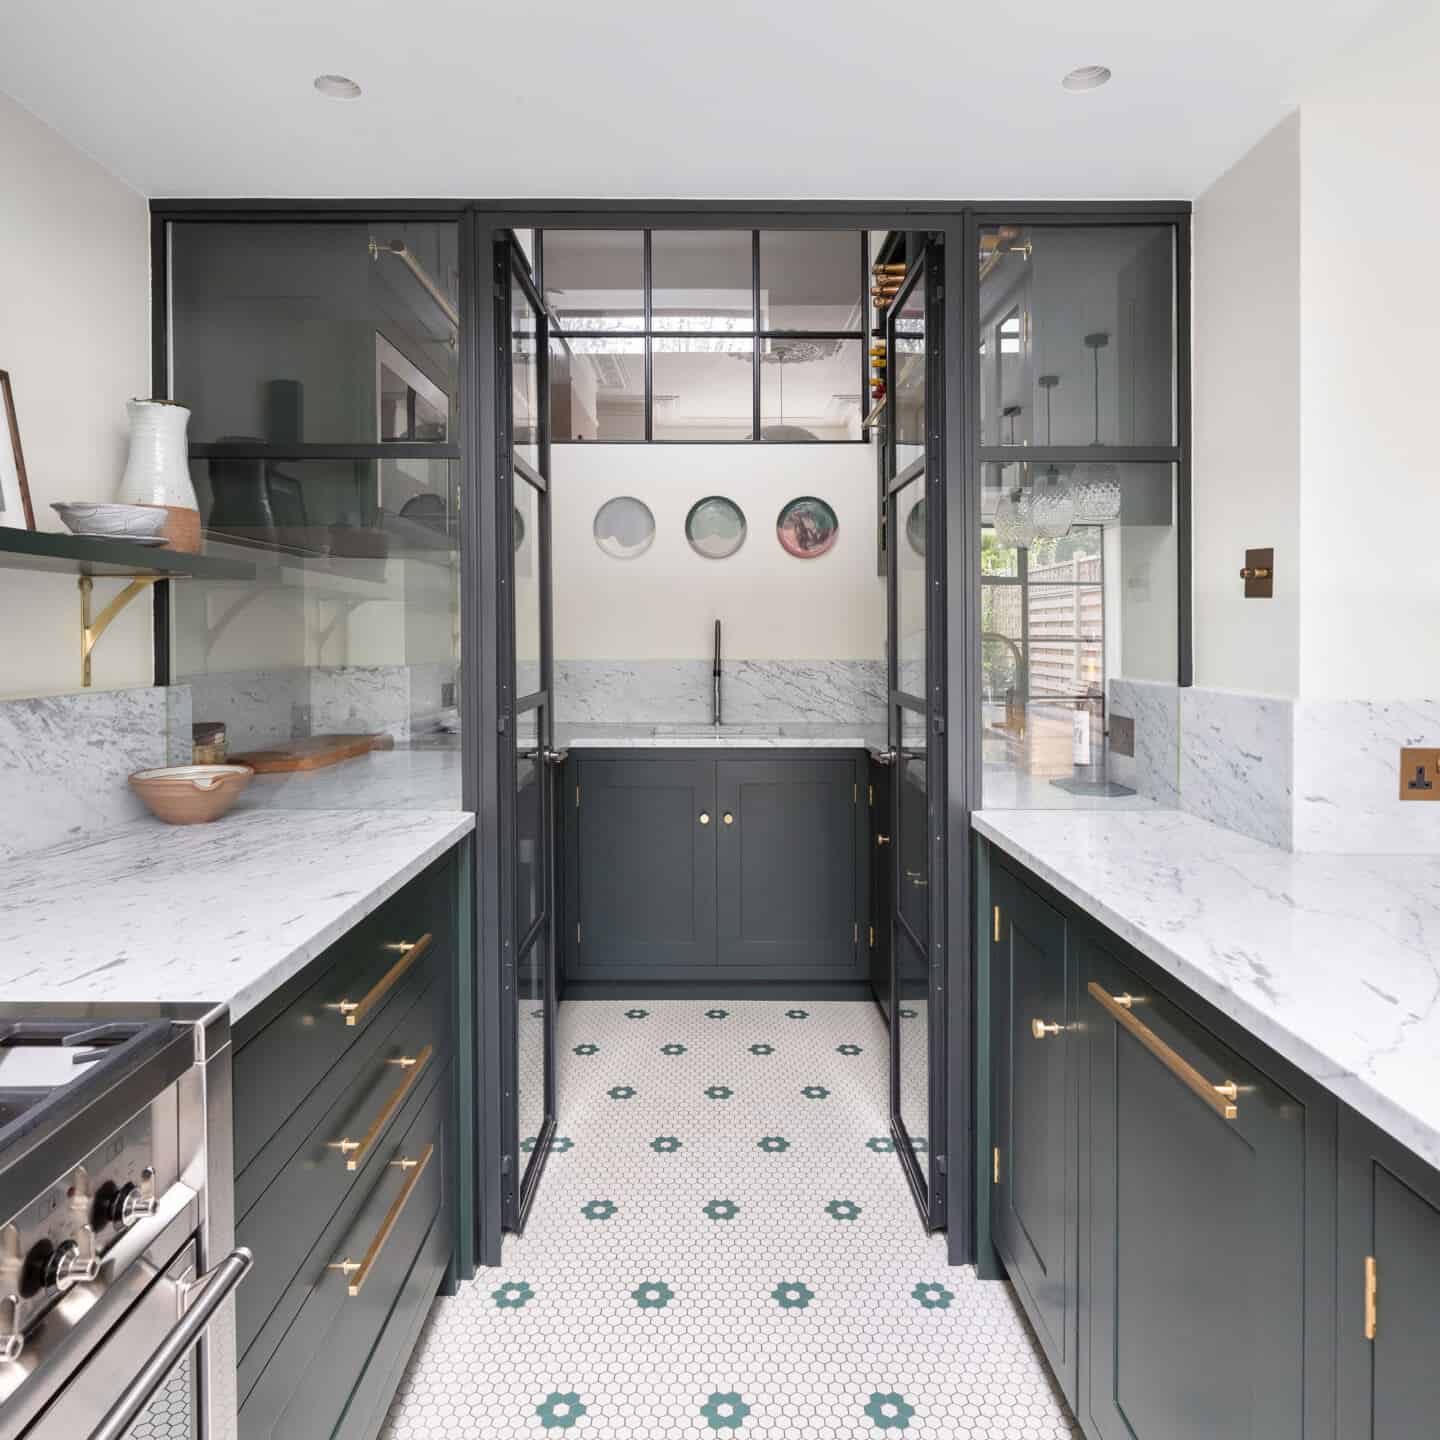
[(724, 1245)]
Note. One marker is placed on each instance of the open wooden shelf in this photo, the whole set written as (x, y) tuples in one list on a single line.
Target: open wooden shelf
[(80, 555)]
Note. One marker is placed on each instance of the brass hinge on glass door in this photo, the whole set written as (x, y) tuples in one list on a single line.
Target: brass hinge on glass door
[(1371, 1287), (996, 1154), (997, 924)]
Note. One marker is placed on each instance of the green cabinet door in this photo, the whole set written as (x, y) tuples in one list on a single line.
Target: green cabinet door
[(789, 843), (645, 834), (1197, 1224), (1389, 1288), (1033, 1049)]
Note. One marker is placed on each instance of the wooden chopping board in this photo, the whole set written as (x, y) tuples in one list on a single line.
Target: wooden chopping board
[(314, 753)]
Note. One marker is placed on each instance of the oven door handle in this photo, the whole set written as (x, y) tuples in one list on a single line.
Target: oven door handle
[(215, 1289)]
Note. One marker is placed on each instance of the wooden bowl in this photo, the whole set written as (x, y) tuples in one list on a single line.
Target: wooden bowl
[(191, 794)]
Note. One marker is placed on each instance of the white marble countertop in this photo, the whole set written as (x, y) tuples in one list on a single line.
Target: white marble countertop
[(797, 735), (400, 779), (1331, 960), (221, 913)]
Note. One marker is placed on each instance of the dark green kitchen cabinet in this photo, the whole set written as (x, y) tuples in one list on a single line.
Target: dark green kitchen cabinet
[(1201, 1233), (1389, 1288), (692, 866), (1034, 1162)]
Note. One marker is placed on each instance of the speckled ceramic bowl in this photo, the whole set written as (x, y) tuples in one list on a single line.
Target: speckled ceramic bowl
[(123, 522), (191, 794)]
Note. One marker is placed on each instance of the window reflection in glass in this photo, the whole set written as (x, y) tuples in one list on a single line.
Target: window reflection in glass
[(810, 280), (704, 389), (810, 390), (525, 379), (907, 378), (597, 388), (702, 281), (595, 279)]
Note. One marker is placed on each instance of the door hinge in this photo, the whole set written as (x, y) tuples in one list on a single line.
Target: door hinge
[(1372, 1286), (855, 793), (871, 796), (577, 932), (997, 924), (940, 1164), (857, 932), (577, 794), (997, 1164), (872, 937), (506, 1161), (938, 723)]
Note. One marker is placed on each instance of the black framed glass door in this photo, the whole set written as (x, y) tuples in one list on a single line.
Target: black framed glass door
[(527, 741), (915, 588)]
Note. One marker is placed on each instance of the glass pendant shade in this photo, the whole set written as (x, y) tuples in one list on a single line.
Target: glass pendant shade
[(1015, 519), (1097, 494), (1053, 509)]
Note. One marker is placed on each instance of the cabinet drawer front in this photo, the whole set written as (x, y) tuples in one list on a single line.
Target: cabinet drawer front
[(1197, 1243), (304, 1390), (289, 1217), (365, 969)]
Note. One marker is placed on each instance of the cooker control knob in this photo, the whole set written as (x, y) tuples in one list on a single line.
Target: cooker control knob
[(71, 1263), (132, 1205)]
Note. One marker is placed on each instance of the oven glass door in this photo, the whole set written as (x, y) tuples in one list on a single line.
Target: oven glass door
[(174, 1411)]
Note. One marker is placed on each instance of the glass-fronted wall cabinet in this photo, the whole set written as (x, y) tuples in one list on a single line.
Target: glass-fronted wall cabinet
[(320, 363), (1081, 456)]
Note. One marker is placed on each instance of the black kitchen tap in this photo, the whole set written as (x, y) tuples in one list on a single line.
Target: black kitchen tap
[(715, 680)]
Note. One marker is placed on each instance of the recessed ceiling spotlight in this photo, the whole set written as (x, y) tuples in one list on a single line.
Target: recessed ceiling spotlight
[(1087, 77), (342, 87)]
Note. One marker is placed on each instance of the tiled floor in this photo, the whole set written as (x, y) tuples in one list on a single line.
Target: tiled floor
[(724, 1244)]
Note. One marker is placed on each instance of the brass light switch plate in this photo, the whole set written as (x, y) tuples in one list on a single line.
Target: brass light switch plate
[(1419, 774), (1259, 574)]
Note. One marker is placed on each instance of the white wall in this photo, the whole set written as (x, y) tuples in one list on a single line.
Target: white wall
[(663, 604), (74, 335), (1370, 392), (1246, 355)]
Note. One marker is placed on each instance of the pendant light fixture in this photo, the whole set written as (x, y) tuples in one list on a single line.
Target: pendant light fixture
[(1054, 507), (1097, 484), (1015, 514)]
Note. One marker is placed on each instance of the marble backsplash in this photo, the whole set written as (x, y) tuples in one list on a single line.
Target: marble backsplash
[(64, 761), (753, 691), (1154, 769)]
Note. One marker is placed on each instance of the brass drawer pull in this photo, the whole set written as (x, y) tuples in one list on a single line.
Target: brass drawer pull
[(355, 1151), (355, 1011), (1220, 1098), (357, 1272), (1039, 1029)]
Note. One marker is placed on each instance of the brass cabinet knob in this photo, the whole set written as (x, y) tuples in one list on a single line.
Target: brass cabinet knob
[(728, 818), (882, 839), (1039, 1029), (704, 817)]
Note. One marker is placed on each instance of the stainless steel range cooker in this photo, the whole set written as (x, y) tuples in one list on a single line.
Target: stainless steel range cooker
[(116, 1224)]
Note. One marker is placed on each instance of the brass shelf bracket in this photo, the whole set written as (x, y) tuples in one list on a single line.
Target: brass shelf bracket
[(92, 630)]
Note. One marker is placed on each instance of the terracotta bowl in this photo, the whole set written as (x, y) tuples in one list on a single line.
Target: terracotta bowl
[(191, 794)]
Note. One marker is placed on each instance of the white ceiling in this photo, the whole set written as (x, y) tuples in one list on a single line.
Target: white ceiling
[(761, 99)]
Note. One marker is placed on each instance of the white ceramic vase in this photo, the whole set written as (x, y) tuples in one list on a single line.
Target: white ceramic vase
[(158, 470)]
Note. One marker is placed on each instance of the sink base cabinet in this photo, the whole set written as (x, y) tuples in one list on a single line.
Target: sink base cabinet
[(1161, 1192), (748, 868)]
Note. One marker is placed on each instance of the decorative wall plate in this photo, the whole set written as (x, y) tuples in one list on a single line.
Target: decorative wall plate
[(624, 527), (807, 528), (715, 527), (915, 526)]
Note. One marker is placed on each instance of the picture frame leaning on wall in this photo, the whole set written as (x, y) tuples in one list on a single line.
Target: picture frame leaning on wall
[(16, 511)]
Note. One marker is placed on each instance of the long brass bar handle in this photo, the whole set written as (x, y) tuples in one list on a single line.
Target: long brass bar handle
[(1220, 1098), (357, 1272), (355, 1151), (355, 1011)]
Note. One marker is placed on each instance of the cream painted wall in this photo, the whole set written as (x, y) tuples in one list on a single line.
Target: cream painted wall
[(1246, 361), (663, 604), (74, 335)]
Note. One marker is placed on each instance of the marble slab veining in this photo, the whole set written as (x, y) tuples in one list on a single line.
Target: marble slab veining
[(1237, 761), (399, 779), (207, 913), (1154, 769), (797, 735), (65, 759), (1331, 960)]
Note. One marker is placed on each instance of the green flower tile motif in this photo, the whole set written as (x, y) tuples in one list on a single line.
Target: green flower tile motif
[(560, 1144), (725, 1410), (797, 1014), (772, 1144), (815, 1092), (792, 1295), (843, 1210), (652, 1295), (908, 1014), (722, 1209), (719, 1092), (636, 1014), (672, 1049), (598, 1209), (512, 1295), (881, 1144), (932, 1297), (560, 1409), (889, 1411), (762, 1049), (848, 1049), (919, 1144), (529, 1143), (664, 1144), (717, 1014), (586, 1049), (621, 1092)]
